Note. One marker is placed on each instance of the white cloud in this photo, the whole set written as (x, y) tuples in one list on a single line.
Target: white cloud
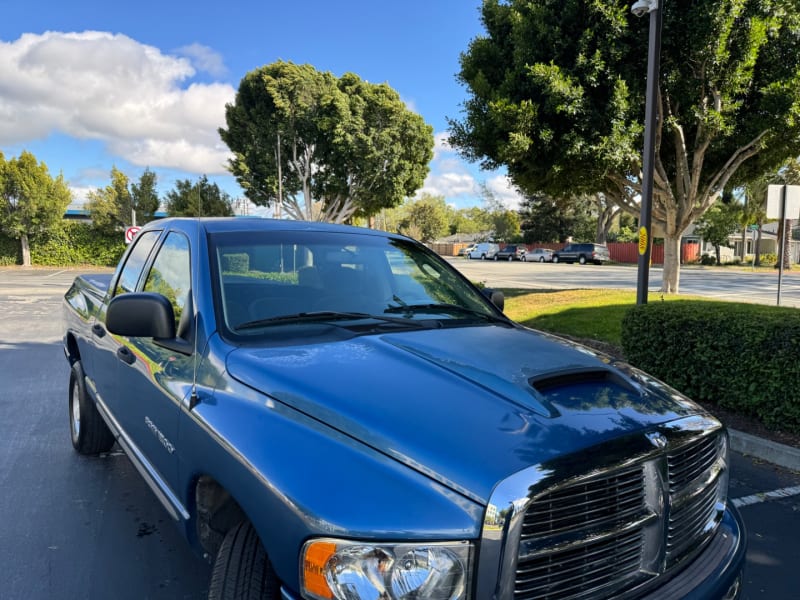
[(205, 59), (101, 86), (460, 183)]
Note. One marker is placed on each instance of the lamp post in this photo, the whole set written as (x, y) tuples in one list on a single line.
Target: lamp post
[(641, 8)]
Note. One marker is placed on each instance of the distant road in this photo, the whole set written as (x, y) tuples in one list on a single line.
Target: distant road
[(731, 284)]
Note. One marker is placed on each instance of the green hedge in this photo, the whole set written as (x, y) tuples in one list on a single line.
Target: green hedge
[(742, 357), (69, 244)]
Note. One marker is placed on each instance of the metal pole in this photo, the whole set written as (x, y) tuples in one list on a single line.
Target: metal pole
[(650, 124), (782, 242)]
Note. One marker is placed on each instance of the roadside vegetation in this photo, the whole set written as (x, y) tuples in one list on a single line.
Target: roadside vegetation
[(740, 357)]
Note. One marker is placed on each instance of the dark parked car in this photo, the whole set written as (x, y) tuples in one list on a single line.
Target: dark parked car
[(540, 255), (512, 252), (582, 253)]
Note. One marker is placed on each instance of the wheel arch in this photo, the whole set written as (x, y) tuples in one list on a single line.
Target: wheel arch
[(71, 349)]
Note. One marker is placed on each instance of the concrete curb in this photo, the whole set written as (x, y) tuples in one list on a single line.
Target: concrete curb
[(782, 455)]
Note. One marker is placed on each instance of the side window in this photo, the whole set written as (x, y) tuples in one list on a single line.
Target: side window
[(135, 262), (170, 274)]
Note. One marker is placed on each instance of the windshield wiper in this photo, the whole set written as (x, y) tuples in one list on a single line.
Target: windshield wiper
[(445, 308), (323, 315)]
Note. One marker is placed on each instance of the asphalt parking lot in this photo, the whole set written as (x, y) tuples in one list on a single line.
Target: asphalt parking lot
[(90, 528)]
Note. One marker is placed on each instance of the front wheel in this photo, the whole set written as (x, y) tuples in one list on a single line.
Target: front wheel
[(582, 260), (89, 433), (483, 257), (242, 570), (555, 259), (541, 259), (496, 257)]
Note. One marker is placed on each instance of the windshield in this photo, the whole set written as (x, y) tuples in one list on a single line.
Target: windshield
[(269, 279)]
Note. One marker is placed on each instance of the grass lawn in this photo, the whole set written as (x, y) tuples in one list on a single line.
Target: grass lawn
[(594, 314)]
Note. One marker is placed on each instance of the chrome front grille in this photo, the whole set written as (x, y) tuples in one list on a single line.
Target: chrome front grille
[(597, 567), (582, 539), (592, 505), (590, 526), (694, 496)]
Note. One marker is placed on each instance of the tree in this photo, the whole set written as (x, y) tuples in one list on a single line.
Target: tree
[(201, 199), (427, 219), (558, 96), (145, 197), (545, 219), (324, 148), (111, 208), (718, 223), (31, 201), (506, 225)]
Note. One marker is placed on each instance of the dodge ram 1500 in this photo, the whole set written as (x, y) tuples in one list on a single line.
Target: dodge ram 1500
[(330, 412)]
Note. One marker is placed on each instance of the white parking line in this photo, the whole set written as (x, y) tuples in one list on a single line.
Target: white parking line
[(763, 497), (54, 274)]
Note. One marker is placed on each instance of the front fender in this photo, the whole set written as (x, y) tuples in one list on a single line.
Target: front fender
[(298, 478)]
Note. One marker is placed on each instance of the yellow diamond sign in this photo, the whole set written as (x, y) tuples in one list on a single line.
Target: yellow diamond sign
[(642, 240)]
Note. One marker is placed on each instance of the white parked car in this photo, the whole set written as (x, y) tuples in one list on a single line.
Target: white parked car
[(484, 251)]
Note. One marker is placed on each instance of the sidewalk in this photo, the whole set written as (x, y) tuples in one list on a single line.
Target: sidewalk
[(766, 450)]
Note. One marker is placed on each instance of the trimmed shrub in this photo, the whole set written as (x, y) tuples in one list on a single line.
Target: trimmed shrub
[(68, 244), (742, 357)]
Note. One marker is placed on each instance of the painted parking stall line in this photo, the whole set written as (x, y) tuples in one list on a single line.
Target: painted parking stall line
[(765, 496)]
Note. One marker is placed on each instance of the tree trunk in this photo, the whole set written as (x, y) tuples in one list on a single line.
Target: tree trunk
[(757, 249), (26, 250), (744, 243), (672, 256)]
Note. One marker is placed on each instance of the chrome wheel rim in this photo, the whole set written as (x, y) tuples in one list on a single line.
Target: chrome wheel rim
[(76, 411)]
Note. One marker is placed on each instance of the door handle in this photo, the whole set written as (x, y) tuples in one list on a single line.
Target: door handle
[(126, 355), (98, 330)]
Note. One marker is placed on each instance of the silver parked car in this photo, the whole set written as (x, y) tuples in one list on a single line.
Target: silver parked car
[(540, 255)]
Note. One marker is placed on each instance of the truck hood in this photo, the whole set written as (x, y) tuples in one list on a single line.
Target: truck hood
[(467, 406)]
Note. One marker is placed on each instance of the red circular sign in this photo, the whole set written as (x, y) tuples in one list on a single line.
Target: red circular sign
[(130, 232)]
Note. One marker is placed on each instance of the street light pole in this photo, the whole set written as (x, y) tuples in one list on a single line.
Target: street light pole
[(641, 8)]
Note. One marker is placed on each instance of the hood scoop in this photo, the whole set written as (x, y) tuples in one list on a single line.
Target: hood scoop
[(583, 388)]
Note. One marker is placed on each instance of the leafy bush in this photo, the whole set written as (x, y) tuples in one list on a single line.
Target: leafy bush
[(708, 259), (69, 244), (741, 357)]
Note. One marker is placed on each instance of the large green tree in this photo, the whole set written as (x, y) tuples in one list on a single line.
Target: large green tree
[(322, 147), (31, 201), (145, 197), (546, 219), (111, 208), (427, 218), (200, 199), (557, 96)]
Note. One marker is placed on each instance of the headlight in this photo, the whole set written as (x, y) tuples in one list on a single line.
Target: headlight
[(347, 570)]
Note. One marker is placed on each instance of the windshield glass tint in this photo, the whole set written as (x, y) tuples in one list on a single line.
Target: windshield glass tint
[(265, 275)]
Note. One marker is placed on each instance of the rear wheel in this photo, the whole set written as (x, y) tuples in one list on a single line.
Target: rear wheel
[(582, 259), (541, 259), (89, 433), (242, 570), (496, 257), (555, 258), (510, 257)]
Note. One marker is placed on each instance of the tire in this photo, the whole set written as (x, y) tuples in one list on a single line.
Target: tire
[(510, 258), (242, 570), (541, 259), (555, 258), (89, 433), (582, 259), (496, 257), (483, 257)]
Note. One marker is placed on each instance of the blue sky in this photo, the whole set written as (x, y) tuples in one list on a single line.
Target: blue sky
[(88, 85)]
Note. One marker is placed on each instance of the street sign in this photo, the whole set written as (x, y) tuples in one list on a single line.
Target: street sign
[(130, 232), (774, 197), (753, 227)]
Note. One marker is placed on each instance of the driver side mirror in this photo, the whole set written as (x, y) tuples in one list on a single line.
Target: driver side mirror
[(141, 314)]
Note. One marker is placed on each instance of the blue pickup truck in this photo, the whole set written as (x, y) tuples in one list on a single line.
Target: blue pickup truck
[(330, 412)]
